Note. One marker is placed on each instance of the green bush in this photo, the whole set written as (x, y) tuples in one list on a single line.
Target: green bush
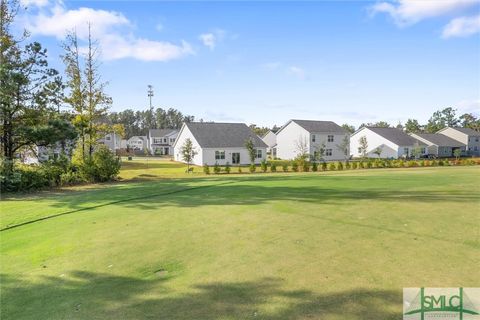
[(285, 167), (252, 168), (295, 166), (354, 165), (71, 178), (227, 168), (339, 165), (314, 167), (324, 166), (273, 167), (332, 166), (347, 165), (306, 166), (264, 166), (440, 163), (369, 164), (239, 169), (102, 166), (216, 168), (206, 169)]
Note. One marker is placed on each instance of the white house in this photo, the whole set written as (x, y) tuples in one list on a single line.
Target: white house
[(312, 136), (137, 142), (270, 139), (220, 143), (113, 141), (439, 145), (467, 136), (393, 143), (160, 141)]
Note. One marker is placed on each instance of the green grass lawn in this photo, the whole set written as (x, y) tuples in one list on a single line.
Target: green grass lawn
[(331, 245)]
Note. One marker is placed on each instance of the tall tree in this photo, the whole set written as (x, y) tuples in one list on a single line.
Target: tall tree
[(350, 129), (469, 120), (188, 152), (363, 146), (441, 119), (29, 91), (412, 126)]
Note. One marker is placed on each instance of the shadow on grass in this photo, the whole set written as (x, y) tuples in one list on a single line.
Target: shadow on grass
[(85, 295)]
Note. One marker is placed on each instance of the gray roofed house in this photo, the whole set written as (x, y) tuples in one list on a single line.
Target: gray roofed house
[(220, 143), (469, 137), (160, 141), (392, 143), (440, 145), (316, 126)]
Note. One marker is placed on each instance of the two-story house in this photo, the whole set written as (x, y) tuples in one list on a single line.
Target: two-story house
[(312, 136), (469, 137), (160, 141), (137, 142)]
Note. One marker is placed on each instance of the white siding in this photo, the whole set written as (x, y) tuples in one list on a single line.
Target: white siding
[(389, 149), (270, 139), (287, 140), (322, 138), (184, 135), (209, 156), (472, 142)]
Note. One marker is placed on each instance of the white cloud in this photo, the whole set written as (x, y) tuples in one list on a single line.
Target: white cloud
[(211, 39), (407, 12), (112, 30), (462, 27), (297, 72), (33, 3)]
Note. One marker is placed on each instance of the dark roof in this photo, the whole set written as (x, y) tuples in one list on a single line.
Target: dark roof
[(223, 135), (467, 131), (319, 126), (160, 132), (440, 139), (396, 136)]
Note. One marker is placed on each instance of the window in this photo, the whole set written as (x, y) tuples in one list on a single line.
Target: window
[(157, 140), (313, 138), (219, 155), (172, 140), (476, 139), (422, 150), (165, 140), (328, 152), (475, 148), (258, 153), (359, 150), (107, 138), (330, 138), (405, 151)]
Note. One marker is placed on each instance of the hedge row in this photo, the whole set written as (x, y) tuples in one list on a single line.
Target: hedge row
[(306, 166)]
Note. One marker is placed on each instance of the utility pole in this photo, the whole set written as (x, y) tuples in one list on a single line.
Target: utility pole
[(150, 94)]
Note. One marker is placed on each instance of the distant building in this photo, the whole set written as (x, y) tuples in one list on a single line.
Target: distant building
[(313, 135), (160, 141), (392, 142), (270, 139), (439, 145), (113, 141), (469, 137), (137, 142), (220, 143)]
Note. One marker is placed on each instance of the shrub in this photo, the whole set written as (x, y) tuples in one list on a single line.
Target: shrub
[(306, 166), (324, 166), (206, 169), (103, 165), (434, 163), (71, 178), (314, 167), (354, 165), (252, 168), (411, 163), (285, 167), (264, 166), (216, 168), (332, 166), (273, 167), (339, 165), (440, 163), (347, 165), (401, 163), (369, 164), (227, 168), (295, 166), (239, 169)]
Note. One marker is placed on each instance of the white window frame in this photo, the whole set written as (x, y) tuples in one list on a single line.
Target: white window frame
[(330, 138), (258, 153), (313, 138), (219, 154), (328, 152)]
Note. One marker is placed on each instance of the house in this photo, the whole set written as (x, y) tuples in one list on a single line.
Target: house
[(160, 141), (270, 139), (220, 143), (469, 137), (392, 143), (310, 136), (439, 145), (137, 142), (113, 141)]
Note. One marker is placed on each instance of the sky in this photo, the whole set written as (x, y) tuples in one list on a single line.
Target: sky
[(267, 62)]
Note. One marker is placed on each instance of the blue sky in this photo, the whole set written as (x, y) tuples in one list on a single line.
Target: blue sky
[(267, 62)]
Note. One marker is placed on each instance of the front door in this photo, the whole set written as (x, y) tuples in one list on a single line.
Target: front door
[(235, 158), (166, 151)]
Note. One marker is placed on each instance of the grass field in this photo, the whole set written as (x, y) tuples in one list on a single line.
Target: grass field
[(331, 245)]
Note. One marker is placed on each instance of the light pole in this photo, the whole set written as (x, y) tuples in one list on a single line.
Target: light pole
[(150, 94)]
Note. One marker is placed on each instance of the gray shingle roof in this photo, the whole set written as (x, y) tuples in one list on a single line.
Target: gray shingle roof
[(160, 132), (468, 131), (223, 135), (440, 139), (396, 136), (319, 126)]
